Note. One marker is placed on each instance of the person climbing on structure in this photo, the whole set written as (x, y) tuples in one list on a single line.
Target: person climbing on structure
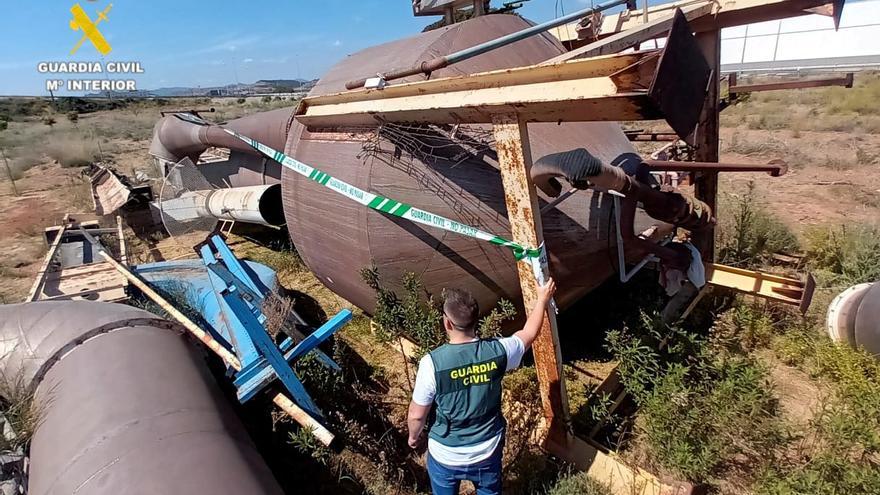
[(462, 380)]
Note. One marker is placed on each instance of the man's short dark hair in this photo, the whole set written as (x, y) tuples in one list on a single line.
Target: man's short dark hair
[(461, 309)]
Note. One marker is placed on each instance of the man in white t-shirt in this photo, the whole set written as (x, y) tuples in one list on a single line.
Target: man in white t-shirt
[(461, 382)]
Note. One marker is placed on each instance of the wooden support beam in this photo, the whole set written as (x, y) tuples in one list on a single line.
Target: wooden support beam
[(657, 27), (515, 161), (600, 89), (36, 288), (123, 251), (605, 467), (705, 139)]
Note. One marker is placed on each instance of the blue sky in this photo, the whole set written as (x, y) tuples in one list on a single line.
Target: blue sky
[(188, 43)]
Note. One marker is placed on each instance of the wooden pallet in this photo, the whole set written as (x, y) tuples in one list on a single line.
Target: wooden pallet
[(89, 278)]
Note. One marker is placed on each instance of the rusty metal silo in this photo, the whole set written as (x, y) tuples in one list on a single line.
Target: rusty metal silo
[(336, 237)]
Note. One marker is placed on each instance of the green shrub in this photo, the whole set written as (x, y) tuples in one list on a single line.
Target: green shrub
[(240, 101), (305, 443), (417, 315), (73, 117), (700, 410), (823, 474), (751, 234), (845, 255), (842, 455), (578, 484)]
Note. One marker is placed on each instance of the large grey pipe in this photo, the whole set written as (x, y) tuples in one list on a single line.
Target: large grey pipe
[(175, 138), (128, 405)]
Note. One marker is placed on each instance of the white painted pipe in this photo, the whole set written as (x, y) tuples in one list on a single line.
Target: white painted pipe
[(251, 204)]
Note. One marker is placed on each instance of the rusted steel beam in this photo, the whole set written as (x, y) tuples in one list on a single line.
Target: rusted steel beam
[(629, 38), (739, 12), (575, 91), (705, 139), (666, 83), (651, 136), (846, 81), (774, 168), (515, 161)]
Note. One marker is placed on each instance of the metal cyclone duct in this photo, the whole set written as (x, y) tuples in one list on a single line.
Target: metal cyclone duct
[(128, 405)]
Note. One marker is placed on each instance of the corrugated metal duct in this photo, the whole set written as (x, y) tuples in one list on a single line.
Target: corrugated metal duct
[(129, 406)]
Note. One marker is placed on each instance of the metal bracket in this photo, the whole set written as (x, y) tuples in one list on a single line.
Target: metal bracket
[(621, 258)]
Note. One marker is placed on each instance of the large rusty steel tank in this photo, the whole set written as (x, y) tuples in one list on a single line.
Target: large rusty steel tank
[(456, 177)]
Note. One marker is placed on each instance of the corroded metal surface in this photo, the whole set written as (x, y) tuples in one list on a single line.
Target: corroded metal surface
[(336, 237), (512, 145)]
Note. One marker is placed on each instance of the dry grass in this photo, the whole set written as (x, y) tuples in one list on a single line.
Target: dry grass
[(833, 109), (21, 410), (278, 310)]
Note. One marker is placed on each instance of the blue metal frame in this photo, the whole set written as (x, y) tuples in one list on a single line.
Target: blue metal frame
[(241, 296)]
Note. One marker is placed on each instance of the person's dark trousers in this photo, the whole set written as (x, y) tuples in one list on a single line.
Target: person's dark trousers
[(485, 475)]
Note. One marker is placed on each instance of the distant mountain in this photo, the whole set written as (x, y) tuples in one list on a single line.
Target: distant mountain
[(263, 86)]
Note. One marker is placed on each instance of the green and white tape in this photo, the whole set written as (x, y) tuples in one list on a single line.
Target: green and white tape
[(388, 205)]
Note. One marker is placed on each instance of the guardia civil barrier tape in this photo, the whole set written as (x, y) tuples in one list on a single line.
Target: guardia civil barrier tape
[(390, 206)]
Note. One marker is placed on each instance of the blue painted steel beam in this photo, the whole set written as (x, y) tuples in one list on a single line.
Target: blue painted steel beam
[(243, 345), (270, 352), (237, 267), (250, 381)]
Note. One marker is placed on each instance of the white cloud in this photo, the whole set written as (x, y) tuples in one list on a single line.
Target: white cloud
[(247, 60), (337, 43)]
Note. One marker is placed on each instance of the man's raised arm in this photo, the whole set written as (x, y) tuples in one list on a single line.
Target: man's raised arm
[(536, 317)]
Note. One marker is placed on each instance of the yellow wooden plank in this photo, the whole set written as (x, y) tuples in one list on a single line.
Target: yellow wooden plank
[(766, 285)]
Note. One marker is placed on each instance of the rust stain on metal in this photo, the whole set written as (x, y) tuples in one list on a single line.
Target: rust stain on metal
[(514, 160)]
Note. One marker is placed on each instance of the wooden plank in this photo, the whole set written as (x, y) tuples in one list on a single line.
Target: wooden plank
[(765, 285), (606, 468), (104, 294), (515, 161), (658, 26), (44, 268), (739, 12), (120, 233), (573, 91)]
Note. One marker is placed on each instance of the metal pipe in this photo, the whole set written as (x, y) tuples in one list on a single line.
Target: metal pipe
[(252, 204), (774, 167), (429, 66), (126, 405)]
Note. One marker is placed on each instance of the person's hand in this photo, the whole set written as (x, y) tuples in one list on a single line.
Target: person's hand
[(415, 443), (546, 291)]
